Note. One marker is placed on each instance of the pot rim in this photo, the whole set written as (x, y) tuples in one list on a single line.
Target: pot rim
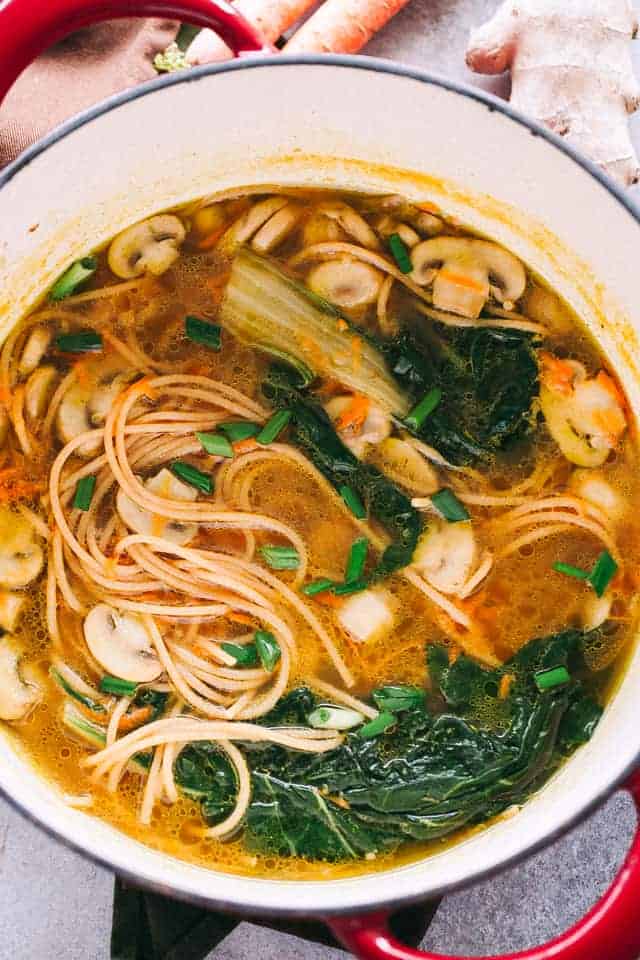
[(493, 104)]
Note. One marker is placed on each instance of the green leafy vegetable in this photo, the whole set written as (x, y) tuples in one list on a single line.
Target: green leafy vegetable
[(280, 558), (201, 331), (446, 503), (82, 341), (77, 274), (400, 253), (204, 774), (215, 444), (191, 475), (84, 493), (154, 699), (66, 682)]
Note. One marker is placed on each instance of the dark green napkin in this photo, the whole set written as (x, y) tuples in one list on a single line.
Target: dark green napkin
[(150, 927)]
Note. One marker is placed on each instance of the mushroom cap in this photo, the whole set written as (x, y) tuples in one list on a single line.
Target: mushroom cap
[(34, 349), (21, 556), (17, 698), (121, 644), (347, 283), (150, 246), (447, 555), (136, 518), (38, 389)]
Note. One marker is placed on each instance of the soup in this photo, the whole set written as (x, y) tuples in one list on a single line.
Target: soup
[(314, 510)]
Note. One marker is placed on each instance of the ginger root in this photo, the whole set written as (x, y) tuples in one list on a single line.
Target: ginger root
[(571, 70)]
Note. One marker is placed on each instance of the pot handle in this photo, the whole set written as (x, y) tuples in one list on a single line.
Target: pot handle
[(611, 929), (27, 27)]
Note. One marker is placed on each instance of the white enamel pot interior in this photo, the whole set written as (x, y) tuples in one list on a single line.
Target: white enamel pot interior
[(356, 124)]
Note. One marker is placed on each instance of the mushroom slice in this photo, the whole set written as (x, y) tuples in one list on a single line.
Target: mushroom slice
[(37, 391), (21, 556), (321, 229), (427, 223), (403, 464), (72, 419), (349, 284), (351, 222), (447, 555), (369, 424), (387, 226), (585, 416), (277, 228), (105, 393), (592, 487), (257, 215), (595, 610), (467, 271), (367, 616), (11, 605), (34, 349), (121, 644), (164, 484), (17, 698), (147, 247)]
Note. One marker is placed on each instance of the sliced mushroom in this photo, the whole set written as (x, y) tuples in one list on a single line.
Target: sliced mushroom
[(107, 389), (367, 616), (427, 224), (277, 228), (403, 464), (447, 555), (17, 698), (121, 644), (147, 247), (38, 390), (349, 284), (592, 486), (358, 434), (467, 271), (86, 407), (34, 349), (321, 229), (585, 416), (595, 610), (351, 222), (164, 484), (254, 218), (387, 226), (11, 605), (21, 556)]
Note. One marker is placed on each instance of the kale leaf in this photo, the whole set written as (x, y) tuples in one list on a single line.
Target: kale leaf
[(205, 774)]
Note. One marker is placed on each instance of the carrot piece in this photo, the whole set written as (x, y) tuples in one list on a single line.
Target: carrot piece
[(505, 685), (130, 721), (238, 617), (342, 325), (428, 208), (5, 396), (328, 599), (212, 238), (343, 26), (461, 280), (556, 373), (354, 416), (244, 446), (271, 17)]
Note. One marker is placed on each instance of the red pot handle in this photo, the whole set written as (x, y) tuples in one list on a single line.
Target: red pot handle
[(27, 27), (610, 931)]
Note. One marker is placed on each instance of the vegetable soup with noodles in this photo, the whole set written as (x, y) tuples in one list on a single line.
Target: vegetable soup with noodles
[(318, 544)]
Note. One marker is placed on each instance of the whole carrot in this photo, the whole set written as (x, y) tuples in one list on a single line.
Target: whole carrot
[(343, 26), (271, 17)]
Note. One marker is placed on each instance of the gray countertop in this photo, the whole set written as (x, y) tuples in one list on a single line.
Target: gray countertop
[(53, 903)]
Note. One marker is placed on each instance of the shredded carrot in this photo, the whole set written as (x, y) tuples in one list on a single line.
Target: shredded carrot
[(454, 653), (212, 238), (342, 325), (328, 599), (505, 685), (428, 207), (15, 486), (354, 416), (238, 617), (462, 280), (244, 446), (134, 719)]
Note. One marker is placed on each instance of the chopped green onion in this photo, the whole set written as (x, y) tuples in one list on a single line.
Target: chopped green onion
[(72, 278), (353, 501), (357, 560), (201, 331), (418, 414), (274, 426), (84, 493), (268, 649), (548, 679), (191, 475), (215, 444), (70, 690), (377, 726), (280, 558), (245, 656), (240, 430), (571, 571), (121, 688), (400, 253), (317, 586), (346, 589), (447, 504), (82, 341), (603, 572), (334, 718), (397, 697)]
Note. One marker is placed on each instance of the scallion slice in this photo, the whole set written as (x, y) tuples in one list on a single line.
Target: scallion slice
[(274, 427), (357, 560), (240, 430), (245, 656), (280, 558), (317, 586), (548, 679), (334, 718), (418, 414), (82, 341), (346, 589), (377, 726), (72, 278), (121, 688), (191, 475), (352, 499), (448, 505), (215, 444), (201, 331), (400, 253), (570, 571), (268, 649), (397, 697), (603, 572), (84, 493)]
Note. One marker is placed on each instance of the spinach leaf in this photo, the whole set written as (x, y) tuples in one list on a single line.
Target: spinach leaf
[(291, 710), (314, 433), (154, 699), (204, 773)]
